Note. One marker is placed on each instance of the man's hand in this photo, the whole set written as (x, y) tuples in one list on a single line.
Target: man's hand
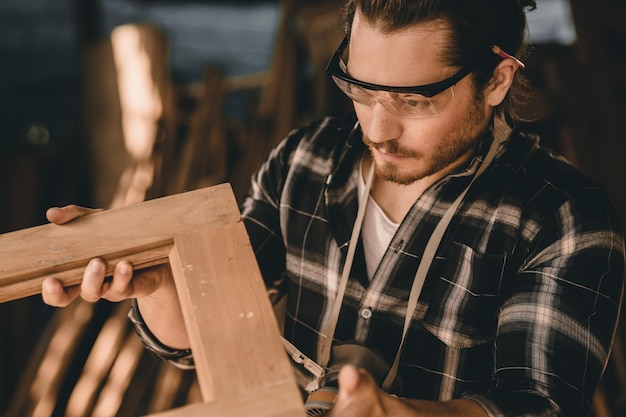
[(359, 396), (94, 286), (62, 215)]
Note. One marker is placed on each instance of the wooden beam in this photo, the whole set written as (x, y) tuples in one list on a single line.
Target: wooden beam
[(141, 233), (241, 366), (237, 344)]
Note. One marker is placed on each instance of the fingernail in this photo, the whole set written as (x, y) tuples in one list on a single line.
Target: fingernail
[(124, 268), (95, 267)]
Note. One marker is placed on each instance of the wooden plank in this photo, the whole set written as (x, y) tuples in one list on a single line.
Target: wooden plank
[(272, 401), (141, 233), (241, 366), (237, 346)]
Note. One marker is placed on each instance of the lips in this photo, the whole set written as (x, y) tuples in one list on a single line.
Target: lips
[(391, 157)]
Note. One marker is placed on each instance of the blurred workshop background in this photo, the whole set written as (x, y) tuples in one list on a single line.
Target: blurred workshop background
[(105, 103)]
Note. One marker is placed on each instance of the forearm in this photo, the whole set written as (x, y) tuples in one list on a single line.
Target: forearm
[(162, 314)]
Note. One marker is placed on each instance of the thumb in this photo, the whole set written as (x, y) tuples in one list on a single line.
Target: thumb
[(358, 394), (349, 380), (62, 215)]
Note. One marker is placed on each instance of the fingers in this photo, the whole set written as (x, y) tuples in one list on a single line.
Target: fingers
[(126, 283), (349, 379), (123, 284), (93, 280), (54, 294), (93, 287), (90, 288), (120, 286), (358, 396), (62, 215), (354, 381), (149, 280)]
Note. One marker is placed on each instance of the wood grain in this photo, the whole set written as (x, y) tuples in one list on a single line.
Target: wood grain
[(142, 233), (237, 346), (241, 366)]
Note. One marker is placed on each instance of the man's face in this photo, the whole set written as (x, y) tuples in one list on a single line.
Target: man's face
[(406, 150)]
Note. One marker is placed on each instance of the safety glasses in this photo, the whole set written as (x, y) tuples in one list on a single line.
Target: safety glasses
[(408, 102)]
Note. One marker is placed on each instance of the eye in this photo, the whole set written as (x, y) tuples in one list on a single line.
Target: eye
[(414, 101)]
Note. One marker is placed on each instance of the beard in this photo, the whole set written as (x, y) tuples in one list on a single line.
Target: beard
[(451, 149)]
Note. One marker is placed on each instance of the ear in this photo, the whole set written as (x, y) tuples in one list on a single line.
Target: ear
[(501, 81)]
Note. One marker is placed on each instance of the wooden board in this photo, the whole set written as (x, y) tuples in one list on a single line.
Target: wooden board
[(234, 334), (241, 366), (142, 233)]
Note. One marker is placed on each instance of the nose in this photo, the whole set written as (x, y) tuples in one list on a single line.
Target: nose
[(382, 124)]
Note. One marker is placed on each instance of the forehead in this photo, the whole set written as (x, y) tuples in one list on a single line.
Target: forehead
[(409, 56)]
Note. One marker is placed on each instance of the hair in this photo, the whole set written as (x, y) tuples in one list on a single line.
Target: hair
[(475, 25)]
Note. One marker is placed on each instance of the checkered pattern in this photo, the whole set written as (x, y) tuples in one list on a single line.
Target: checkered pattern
[(519, 308)]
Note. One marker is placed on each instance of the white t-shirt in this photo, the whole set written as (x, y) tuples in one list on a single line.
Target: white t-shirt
[(377, 230)]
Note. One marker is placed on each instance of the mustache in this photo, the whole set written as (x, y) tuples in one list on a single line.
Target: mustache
[(388, 146)]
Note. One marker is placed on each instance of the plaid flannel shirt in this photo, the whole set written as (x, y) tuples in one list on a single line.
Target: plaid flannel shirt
[(519, 308)]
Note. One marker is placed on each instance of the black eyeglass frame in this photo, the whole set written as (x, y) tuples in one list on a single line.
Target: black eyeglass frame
[(427, 90)]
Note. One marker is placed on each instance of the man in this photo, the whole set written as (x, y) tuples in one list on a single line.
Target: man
[(486, 272)]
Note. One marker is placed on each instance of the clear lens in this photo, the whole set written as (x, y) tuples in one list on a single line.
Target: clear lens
[(412, 106)]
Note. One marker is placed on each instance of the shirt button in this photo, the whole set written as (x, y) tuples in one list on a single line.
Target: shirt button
[(366, 313)]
